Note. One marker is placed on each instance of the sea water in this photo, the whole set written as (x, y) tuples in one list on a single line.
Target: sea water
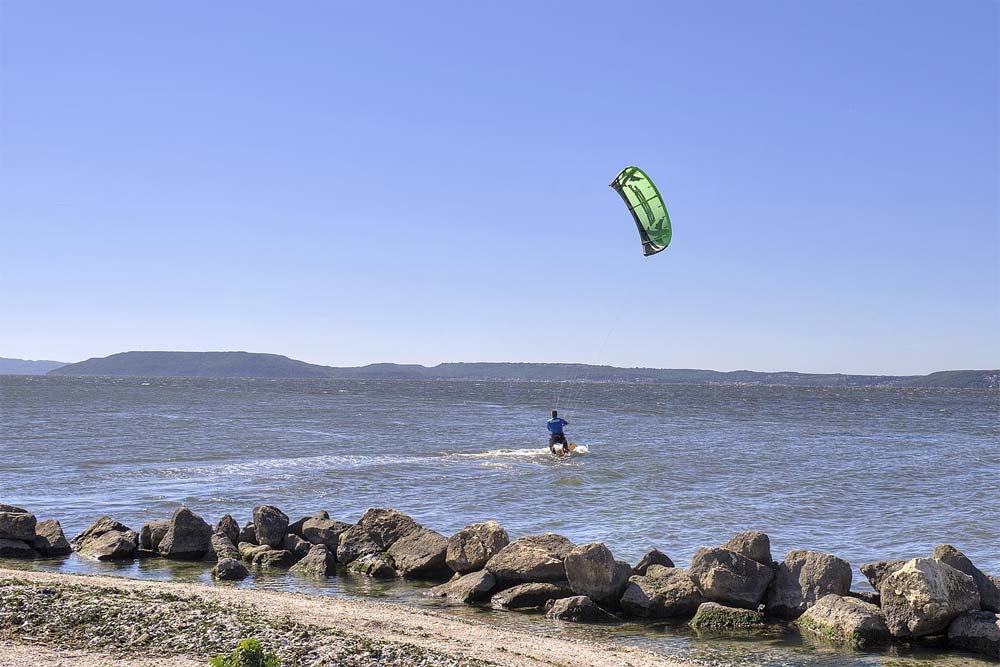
[(865, 474)]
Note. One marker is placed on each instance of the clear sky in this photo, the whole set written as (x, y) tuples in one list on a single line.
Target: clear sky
[(349, 183)]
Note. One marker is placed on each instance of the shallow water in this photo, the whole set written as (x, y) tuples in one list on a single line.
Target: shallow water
[(865, 474)]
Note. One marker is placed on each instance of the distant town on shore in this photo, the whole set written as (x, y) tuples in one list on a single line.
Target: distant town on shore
[(272, 366)]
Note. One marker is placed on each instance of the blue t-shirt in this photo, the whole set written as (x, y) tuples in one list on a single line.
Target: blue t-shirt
[(556, 424)]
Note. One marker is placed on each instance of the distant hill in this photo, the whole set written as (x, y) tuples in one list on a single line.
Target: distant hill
[(27, 366), (255, 365)]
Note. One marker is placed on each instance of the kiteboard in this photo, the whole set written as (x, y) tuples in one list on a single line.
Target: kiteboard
[(559, 453)]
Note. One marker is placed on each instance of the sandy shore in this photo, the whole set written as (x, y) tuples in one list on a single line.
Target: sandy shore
[(183, 624)]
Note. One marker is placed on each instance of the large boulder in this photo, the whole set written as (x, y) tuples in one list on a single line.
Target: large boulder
[(151, 534), (879, 570), (230, 569), (229, 527), (989, 592), (269, 558), (467, 588), (652, 557), (295, 527), (247, 534), (663, 592), (578, 609), (753, 544), (845, 620), (375, 532), (16, 549), (529, 596), (319, 562), (295, 544), (592, 571), (106, 539), (470, 548), (223, 548), (249, 551), (421, 554), (803, 578), (325, 531), (729, 578), (535, 558), (976, 631), (189, 537), (924, 596), (16, 523), (270, 525), (377, 565), (715, 617), (50, 540)]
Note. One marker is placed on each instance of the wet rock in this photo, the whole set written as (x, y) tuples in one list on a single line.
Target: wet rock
[(16, 549), (879, 570), (107, 539), (976, 631), (989, 593), (248, 551), (375, 532), (296, 545), (470, 548), (189, 537), (270, 558), (270, 525), (295, 528), (866, 596), (592, 571), (652, 557), (803, 578), (535, 558), (151, 534), (227, 526), (16, 523), (579, 609), (50, 540), (714, 616), (729, 578), (466, 588), (421, 554), (529, 596), (376, 565), (845, 620), (223, 548), (663, 592), (924, 596), (753, 544), (230, 569), (317, 530), (319, 562), (248, 534)]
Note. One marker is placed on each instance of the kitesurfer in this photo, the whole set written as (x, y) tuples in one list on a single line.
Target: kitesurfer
[(556, 435)]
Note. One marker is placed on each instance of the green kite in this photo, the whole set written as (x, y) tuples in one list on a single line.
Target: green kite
[(647, 208)]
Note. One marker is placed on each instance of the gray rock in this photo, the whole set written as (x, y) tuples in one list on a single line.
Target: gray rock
[(16, 523), (319, 562), (535, 558), (579, 609), (652, 557), (248, 551), (107, 539), (189, 537), (592, 571), (803, 578), (375, 532), (466, 588), (230, 569), (227, 526), (16, 549), (376, 565), (295, 544), (270, 525), (663, 592), (879, 570), (716, 617), (729, 578), (421, 554), (924, 596), (845, 620), (470, 548), (151, 534), (866, 596), (989, 593), (272, 558), (295, 528), (753, 544), (223, 548), (976, 631), (248, 534), (317, 530), (529, 596), (50, 540)]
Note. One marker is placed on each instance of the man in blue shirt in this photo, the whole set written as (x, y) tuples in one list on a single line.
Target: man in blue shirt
[(556, 435)]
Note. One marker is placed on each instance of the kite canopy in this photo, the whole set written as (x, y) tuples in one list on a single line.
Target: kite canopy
[(647, 208)]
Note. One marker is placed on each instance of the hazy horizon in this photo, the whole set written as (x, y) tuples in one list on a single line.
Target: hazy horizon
[(344, 184)]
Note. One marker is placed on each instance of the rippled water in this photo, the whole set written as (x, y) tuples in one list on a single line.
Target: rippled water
[(862, 473)]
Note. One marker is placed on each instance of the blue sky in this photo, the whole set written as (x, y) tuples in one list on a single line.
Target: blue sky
[(349, 183)]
